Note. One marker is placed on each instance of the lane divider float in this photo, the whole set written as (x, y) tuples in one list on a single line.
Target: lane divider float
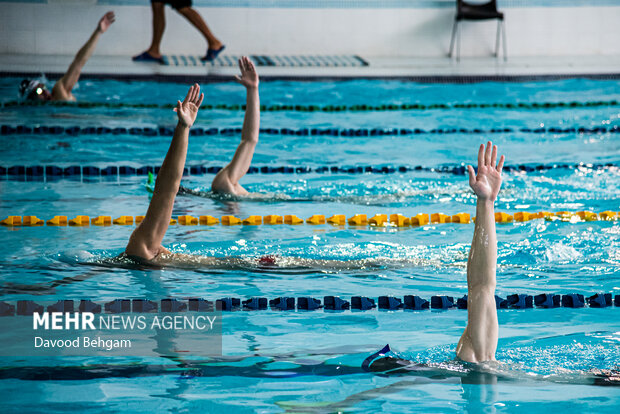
[(309, 303), (357, 220), (115, 171), (336, 132), (330, 108)]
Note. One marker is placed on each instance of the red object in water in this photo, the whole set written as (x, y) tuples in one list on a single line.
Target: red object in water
[(267, 261)]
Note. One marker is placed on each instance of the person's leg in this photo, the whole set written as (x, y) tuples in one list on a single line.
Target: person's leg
[(198, 22), (159, 25)]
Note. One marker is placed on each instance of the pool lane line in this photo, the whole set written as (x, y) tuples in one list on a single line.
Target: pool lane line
[(332, 108), (309, 303), (357, 220), (17, 172), (333, 132)]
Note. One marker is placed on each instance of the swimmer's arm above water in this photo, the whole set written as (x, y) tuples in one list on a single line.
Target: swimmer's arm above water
[(63, 87), (145, 242), (230, 175), (479, 340)]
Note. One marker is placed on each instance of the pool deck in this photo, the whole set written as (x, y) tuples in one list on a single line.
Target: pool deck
[(413, 68)]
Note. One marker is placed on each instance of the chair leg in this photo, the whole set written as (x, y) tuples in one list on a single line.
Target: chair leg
[(452, 38), (504, 37), (499, 23), (458, 42)]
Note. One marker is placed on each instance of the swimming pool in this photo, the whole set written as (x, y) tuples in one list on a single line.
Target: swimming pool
[(310, 361)]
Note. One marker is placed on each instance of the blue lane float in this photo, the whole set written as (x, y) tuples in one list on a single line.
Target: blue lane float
[(173, 305), (255, 304), (199, 305), (335, 303), (362, 303), (61, 306), (282, 303), (143, 306), (573, 300), (547, 300), (309, 303), (442, 302), (7, 309), (413, 302), (389, 303), (342, 132), (28, 307), (89, 306), (118, 306), (600, 300), (286, 60), (20, 171), (520, 301), (227, 304)]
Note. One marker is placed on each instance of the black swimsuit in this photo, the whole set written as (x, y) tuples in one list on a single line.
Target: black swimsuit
[(176, 4)]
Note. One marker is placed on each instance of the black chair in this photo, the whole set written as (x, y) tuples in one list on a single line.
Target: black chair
[(472, 12)]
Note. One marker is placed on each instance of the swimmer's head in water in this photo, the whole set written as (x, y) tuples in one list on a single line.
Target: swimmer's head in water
[(34, 90)]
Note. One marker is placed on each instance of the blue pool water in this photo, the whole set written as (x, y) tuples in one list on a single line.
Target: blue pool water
[(309, 361)]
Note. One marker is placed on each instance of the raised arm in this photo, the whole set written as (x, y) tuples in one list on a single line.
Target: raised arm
[(145, 241), (479, 340), (228, 178), (70, 78)]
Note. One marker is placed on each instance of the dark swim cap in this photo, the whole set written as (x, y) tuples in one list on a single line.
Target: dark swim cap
[(28, 86)]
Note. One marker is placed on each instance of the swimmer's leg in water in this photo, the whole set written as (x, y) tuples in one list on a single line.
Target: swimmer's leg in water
[(145, 241), (227, 180)]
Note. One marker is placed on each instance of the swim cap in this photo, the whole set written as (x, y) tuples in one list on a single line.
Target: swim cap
[(267, 261), (30, 86)]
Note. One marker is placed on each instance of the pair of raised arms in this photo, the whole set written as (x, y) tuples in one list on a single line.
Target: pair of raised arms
[(145, 241)]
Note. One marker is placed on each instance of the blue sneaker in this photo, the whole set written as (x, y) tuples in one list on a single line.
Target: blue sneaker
[(146, 57), (212, 54)]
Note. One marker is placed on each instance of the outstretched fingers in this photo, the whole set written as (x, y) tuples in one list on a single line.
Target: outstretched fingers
[(201, 97), (472, 175), (501, 164), (480, 156), (494, 156), (487, 154), (196, 93), (189, 95), (250, 64), (110, 16), (192, 94)]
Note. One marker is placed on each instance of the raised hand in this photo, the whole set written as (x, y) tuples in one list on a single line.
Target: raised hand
[(106, 21), (488, 181), (188, 109), (249, 77)]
